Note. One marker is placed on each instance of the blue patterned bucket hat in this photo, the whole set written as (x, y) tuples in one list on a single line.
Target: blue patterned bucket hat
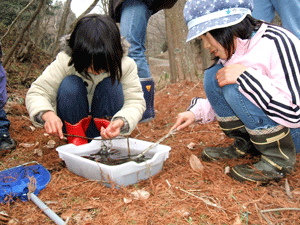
[(202, 16)]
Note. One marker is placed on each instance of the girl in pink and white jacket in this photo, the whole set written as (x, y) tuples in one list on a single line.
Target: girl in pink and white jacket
[(252, 89)]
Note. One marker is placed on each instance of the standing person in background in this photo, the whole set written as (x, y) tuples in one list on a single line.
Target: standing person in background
[(7, 144), (288, 11), (133, 16)]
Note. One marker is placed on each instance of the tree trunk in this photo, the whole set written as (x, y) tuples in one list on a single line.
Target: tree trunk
[(16, 19), (206, 58), (19, 39), (38, 32), (90, 8), (181, 54), (62, 27)]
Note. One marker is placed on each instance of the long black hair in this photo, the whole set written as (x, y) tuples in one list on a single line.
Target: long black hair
[(225, 36), (96, 44)]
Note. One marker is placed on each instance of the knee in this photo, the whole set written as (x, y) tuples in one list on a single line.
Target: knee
[(210, 83), (231, 93), (106, 88), (71, 85)]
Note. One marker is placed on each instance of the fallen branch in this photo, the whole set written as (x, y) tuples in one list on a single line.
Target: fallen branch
[(204, 200), (33, 122), (280, 209), (275, 210), (140, 133), (196, 85)]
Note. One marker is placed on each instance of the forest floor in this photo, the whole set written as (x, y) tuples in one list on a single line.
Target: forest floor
[(178, 193)]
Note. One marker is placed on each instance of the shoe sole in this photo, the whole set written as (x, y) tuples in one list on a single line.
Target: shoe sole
[(237, 176), (206, 158)]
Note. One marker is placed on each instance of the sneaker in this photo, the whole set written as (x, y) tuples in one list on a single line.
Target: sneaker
[(7, 144)]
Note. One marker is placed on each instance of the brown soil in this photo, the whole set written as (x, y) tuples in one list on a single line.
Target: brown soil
[(178, 194)]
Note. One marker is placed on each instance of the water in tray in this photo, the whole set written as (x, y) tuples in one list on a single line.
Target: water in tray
[(115, 157)]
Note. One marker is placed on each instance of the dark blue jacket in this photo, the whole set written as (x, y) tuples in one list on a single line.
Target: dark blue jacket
[(3, 93)]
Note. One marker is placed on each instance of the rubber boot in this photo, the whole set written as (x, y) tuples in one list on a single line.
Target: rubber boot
[(148, 89), (78, 129), (278, 156), (101, 123), (241, 147), (7, 144)]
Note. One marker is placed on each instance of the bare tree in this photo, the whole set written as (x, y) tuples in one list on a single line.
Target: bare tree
[(89, 9), (40, 29), (19, 39), (156, 34), (181, 54), (104, 6), (62, 27), (16, 19)]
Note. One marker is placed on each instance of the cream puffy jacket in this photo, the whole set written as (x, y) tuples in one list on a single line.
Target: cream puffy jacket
[(43, 92)]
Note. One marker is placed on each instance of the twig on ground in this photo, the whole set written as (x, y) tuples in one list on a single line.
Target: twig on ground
[(204, 200), (194, 86), (258, 213), (140, 133), (64, 188), (280, 209), (275, 210), (201, 198), (33, 122)]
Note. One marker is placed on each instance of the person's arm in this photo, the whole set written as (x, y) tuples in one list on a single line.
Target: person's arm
[(277, 94), (199, 111), (53, 124), (134, 102), (41, 97)]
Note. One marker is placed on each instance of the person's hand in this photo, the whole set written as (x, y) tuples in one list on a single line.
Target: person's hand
[(53, 124), (229, 74), (113, 129), (184, 119)]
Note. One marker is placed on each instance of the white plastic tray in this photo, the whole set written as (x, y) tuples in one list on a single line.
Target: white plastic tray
[(122, 175)]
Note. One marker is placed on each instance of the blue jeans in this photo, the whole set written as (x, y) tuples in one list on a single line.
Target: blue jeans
[(228, 101), (288, 11), (4, 123), (133, 26), (72, 102)]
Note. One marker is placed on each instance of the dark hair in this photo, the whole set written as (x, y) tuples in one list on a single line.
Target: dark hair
[(96, 43), (225, 36)]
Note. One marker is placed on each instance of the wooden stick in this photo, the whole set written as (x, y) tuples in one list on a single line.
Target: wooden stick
[(275, 210), (97, 139)]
